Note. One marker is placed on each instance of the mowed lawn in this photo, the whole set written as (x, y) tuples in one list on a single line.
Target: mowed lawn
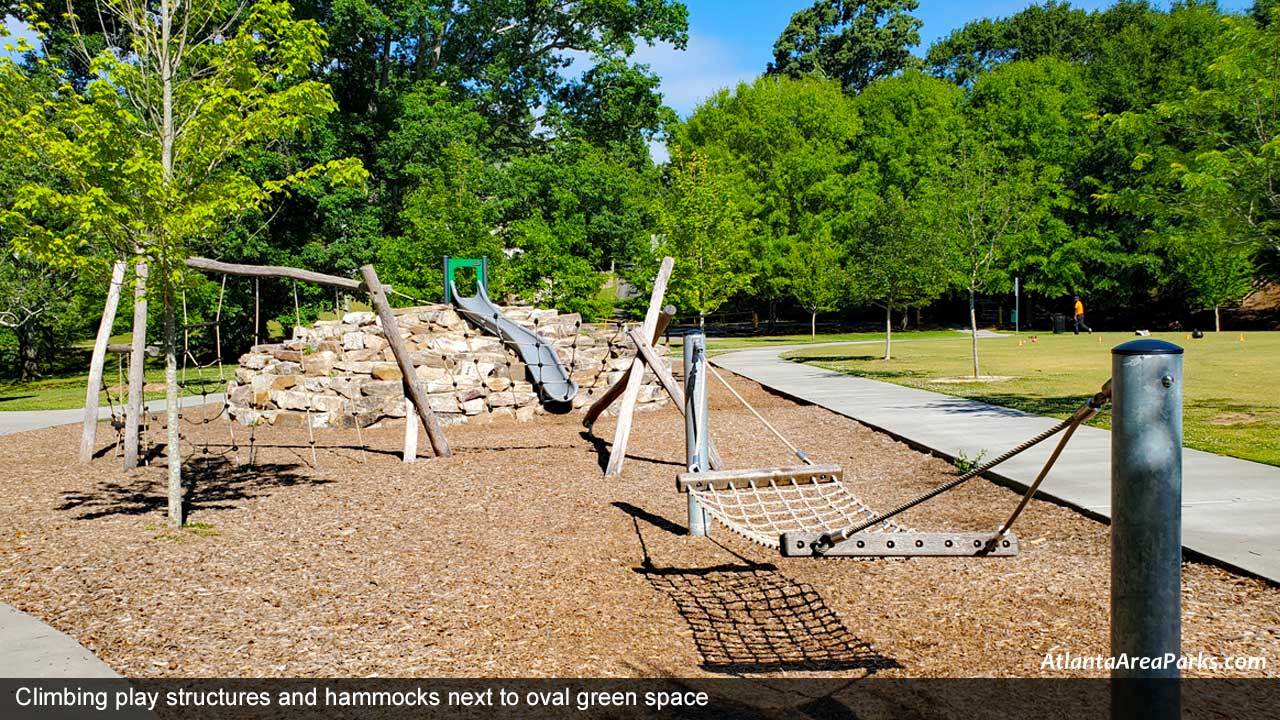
[(67, 391), (1231, 392)]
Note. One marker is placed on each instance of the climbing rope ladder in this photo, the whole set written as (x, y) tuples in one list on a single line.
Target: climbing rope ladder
[(808, 511)]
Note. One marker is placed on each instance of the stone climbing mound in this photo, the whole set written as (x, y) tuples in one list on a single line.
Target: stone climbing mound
[(341, 373)]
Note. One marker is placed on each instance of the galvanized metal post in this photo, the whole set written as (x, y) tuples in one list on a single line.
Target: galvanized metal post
[(695, 423), (1146, 528)]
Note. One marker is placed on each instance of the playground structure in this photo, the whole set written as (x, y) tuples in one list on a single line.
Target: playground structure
[(546, 368), (806, 511), (348, 373)]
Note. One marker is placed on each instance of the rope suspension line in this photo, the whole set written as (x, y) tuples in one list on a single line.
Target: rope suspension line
[(798, 452), (1085, 413)]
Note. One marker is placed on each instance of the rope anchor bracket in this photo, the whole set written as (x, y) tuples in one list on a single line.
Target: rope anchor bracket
[(900, 544)]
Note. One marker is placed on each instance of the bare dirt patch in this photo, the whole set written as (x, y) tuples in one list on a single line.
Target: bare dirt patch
[(515, 557)]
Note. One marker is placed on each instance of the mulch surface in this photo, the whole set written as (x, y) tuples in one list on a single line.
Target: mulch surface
[(515, 557)]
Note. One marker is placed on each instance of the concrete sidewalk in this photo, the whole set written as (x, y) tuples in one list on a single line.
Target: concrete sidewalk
[(31, 649), (1231, 507), (16, 421)]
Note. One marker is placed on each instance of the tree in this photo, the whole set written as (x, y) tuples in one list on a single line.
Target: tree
[(815, 267), (1215, 270), (706, 233), (1231, 172), (1053, 29), (853, 41), (984, 205), (788, 146), (899, 260), (144, 157), (34, 302)]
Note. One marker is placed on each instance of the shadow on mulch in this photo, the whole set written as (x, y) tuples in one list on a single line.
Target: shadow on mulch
[(750, 618), (753, 619), (602, 448), (212, 484)]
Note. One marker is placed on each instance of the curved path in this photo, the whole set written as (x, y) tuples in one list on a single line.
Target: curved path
[(30, 648), (1230, 507)]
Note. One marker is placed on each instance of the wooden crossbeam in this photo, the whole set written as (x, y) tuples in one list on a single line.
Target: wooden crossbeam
[(635, 374), (758, 477), (900, 544), (614, 391), (672, 387)]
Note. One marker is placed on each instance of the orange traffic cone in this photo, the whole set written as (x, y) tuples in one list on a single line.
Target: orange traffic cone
[(1241, 337)]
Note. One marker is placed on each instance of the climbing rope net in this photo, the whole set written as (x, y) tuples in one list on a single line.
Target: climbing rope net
[(809, 511)]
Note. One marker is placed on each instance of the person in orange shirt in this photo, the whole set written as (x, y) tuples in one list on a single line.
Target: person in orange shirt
[(1079, 313)]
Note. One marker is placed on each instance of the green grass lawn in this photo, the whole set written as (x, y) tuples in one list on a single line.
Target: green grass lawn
[(1231, 404), (67, 391)]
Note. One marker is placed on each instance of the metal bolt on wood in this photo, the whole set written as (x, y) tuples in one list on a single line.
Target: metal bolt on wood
[(1146, 526)]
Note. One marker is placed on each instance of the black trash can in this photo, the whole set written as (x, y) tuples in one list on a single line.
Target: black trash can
[(1059, 323)]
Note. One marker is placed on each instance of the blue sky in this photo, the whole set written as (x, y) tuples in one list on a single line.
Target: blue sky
[(731, 41)]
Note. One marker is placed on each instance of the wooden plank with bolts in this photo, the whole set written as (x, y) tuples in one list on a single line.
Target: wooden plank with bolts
[(413, 390), (758, 477), (635, 378), (672, 387), (608, 397), (900, 544), (100, 348)]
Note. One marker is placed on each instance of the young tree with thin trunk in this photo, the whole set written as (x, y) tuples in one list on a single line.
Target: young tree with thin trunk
[(147, 158), (985, 203), (815, 268), (899, 259), (1215, 270), (706, 233)]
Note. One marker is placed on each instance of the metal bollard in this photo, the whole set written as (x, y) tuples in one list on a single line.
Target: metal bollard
[(1146, 526), (695, 423)]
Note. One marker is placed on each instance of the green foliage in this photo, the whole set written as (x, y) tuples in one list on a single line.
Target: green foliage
[(853, 41), (788, 146), (818, 279), (706, 236)]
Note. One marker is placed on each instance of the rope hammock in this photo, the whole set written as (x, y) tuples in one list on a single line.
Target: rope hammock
[(808, 511), (783, 500)]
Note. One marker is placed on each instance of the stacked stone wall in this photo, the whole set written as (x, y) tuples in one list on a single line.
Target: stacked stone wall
[(340, 373)]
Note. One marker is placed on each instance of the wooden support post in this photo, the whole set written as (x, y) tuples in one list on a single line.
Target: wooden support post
[(94, 386), (134, 408), (614, 391), (635, 377), (410, 438), (413, 390)]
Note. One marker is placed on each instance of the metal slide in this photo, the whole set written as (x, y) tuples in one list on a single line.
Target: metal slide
[(548, 375)]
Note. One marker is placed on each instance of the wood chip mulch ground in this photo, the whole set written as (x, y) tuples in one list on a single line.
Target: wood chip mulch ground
[(515, 557)]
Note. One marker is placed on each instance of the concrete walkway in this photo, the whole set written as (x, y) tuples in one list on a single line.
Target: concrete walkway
[(28, 647), (31, 649), (15, 421), (1231, 508)]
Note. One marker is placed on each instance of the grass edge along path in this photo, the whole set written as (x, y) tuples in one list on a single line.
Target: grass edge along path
[(1228, 408)]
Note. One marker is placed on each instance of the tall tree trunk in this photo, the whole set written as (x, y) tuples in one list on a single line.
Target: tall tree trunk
[(973, 327), (94, 385), (702, 322), (173, 448), (1217, 320), (28, 356), (888, 331), (137, 353), (813, 325)]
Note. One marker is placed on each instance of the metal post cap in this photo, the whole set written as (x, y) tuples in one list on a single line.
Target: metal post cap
[(1146, 346)]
